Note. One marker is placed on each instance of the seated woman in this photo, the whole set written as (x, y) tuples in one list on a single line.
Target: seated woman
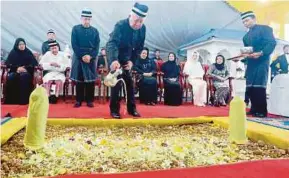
[(54, 63), (220, 74), (147, 82), (195, 72), (20, 77), (173, 91)]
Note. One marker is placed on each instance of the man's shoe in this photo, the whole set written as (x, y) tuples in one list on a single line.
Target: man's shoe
[(134, 113), (250, 113), (115, 115), (90, 105), (247, 103), (77, 104), (52, 99), (260, 115)]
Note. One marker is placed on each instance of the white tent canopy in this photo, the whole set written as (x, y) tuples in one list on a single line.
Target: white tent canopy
[(169, 24)]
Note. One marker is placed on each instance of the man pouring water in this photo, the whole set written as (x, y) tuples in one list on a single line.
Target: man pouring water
[(124, 45)]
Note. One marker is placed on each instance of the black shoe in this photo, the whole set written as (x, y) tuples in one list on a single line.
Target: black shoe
[(77, 104), (90, 104), (52, 99), (250, 113), (115, 115), (260, 115), (247, 103), (134, 113)]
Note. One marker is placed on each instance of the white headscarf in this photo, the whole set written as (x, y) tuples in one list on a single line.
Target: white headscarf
[(193, 67)]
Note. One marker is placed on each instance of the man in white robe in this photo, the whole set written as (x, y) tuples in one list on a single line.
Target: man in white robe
[(54, 63)]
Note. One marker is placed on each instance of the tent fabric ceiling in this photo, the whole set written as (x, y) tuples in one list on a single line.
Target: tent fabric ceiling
[(169, 25), (217, 33)]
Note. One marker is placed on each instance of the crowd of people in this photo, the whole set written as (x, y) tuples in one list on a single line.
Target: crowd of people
[(55, 63), (125, 49)]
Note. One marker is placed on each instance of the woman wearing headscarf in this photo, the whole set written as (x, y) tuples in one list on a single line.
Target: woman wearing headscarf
[(21, 63), (173, 91), (220, 74), (146, 69), (195, 72)]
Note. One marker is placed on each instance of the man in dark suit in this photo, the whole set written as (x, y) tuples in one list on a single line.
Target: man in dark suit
[(123, 48), (280, 65), (261, 39), (51, 37)]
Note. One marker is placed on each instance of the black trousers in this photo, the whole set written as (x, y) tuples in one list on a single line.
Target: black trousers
[(247, 98), (258, 100), (115, 94), (84, 91)]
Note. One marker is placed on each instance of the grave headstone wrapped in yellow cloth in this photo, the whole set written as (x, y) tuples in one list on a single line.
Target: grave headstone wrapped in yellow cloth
[(237, 121), (37, 118)]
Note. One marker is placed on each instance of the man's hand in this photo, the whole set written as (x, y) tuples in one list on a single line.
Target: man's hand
[(114, 65), (86, 58), (128, 66), (222, 79), (54, 64), (147, 74), (255, 55), (173, 79), (21, 69), (245, 55)]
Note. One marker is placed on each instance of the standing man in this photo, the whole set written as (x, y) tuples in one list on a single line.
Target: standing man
[(157, 55), (50, 37), (261, 39), (124, 46), (85, 44)]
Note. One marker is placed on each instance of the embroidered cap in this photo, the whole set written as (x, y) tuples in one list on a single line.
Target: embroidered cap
[(247, 14), (140, 9), (86, 13), (52, 43)]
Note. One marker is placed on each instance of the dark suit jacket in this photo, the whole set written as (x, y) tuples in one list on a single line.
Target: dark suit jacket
[(261, 38), (125, 44), (282, 61)]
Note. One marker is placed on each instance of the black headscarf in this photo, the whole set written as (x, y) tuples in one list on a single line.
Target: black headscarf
[(18, 58), (220, 66), (145, 65), (170, 68)]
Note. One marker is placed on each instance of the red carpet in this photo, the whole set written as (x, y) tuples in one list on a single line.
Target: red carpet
[(254, 169), (63, 110)]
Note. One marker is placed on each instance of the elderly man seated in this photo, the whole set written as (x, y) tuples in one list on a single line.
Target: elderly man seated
[(54, 63)]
